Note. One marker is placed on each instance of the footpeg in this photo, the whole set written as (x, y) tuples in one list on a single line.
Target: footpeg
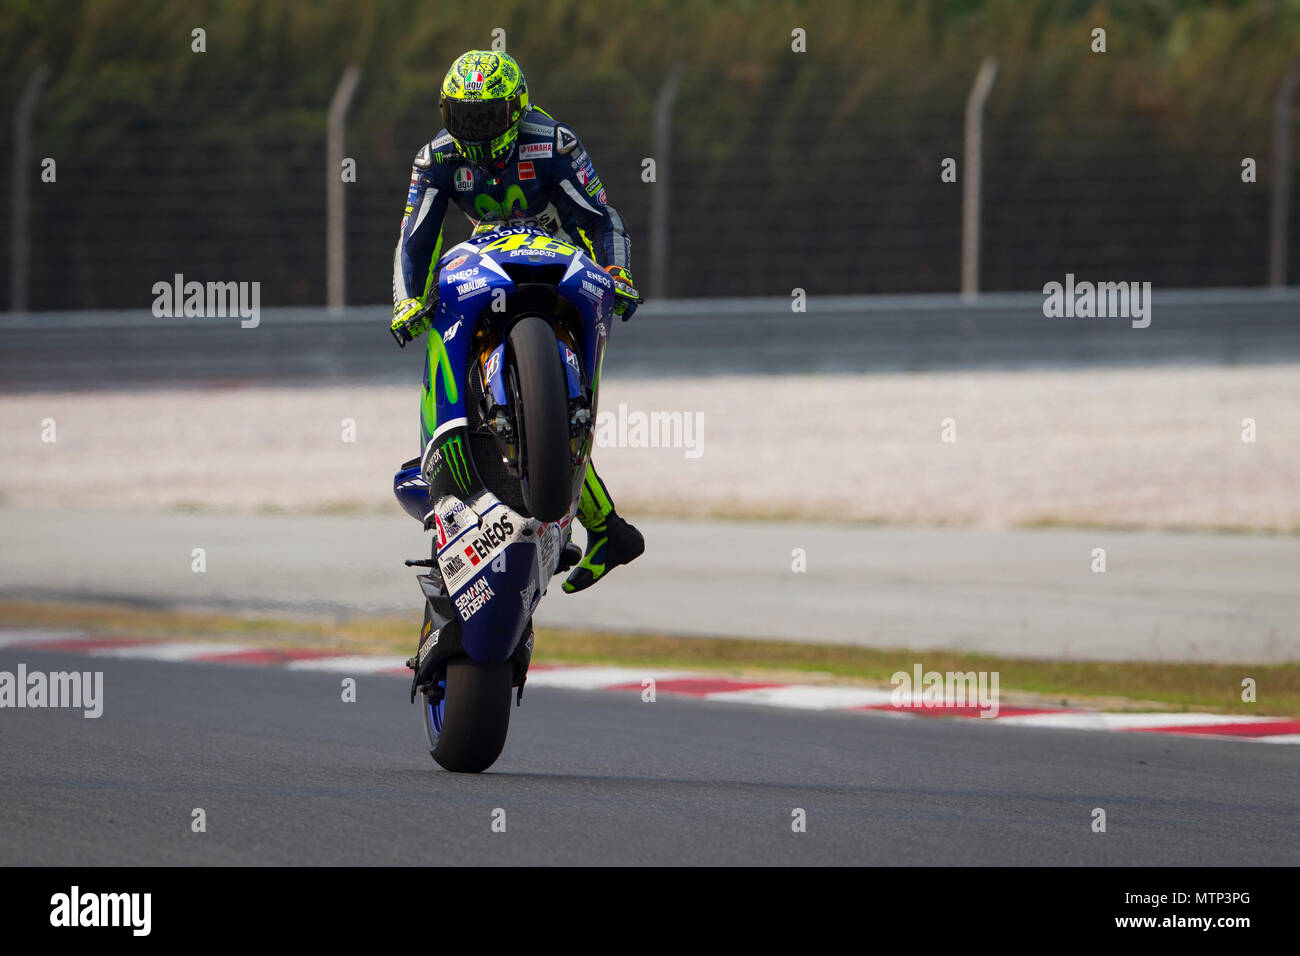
[(570, 556)]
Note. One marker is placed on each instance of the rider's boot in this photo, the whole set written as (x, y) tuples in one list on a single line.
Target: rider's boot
[(611, 541)]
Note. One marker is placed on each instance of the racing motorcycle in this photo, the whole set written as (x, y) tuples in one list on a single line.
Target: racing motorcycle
[(509, 410)]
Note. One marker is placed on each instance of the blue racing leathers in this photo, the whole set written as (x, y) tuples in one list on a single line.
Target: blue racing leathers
[(549, 177)]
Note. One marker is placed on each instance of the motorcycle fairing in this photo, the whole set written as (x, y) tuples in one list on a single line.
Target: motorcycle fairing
[(487, 552)]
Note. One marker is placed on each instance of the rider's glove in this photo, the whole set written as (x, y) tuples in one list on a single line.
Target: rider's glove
[(410, 319), (627, 296)]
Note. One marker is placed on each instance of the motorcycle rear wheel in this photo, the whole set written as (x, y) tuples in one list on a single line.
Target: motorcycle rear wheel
[(467, 728)]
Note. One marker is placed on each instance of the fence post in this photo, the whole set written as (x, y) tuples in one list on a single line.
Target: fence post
[(20, 249), (1280, 208), (972, 178), (663, 136), (336, 207)]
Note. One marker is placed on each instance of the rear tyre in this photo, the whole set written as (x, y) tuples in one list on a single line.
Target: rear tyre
[(543, 410), (467, 728)]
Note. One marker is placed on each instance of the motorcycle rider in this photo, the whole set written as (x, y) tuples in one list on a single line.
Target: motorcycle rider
[(500, 158)]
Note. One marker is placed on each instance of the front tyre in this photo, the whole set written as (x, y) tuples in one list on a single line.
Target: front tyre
[(467, 728), (542, 406)]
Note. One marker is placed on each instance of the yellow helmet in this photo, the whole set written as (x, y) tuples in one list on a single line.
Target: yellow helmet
[(484, 96)]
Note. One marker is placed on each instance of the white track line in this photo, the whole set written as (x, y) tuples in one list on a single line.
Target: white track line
[(176, 651), (597, 678), (805, 697), (1100, 721), (10, 636), (349, 664)]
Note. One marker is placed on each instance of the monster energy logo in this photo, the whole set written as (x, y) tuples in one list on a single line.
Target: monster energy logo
[(453, 453)]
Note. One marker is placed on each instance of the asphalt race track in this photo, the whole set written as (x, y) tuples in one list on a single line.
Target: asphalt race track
[(288, 773)]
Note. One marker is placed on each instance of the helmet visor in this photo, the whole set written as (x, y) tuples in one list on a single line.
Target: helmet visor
[(476, 121)]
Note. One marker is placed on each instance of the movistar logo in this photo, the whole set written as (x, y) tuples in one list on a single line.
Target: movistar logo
[(489, 208), (453, 453)]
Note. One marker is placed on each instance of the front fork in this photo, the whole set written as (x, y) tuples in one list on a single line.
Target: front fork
[(502, 422)]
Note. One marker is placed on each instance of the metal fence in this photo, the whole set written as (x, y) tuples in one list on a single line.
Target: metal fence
[(837, 204)]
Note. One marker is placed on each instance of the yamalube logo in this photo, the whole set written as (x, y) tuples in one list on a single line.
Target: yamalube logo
[(210, 300), (76, 908), (1101, 300)]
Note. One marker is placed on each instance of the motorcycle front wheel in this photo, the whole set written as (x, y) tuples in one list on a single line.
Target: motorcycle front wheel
[(542, 408)]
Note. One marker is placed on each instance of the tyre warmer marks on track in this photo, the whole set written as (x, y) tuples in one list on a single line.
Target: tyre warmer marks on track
[(721, 688)]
